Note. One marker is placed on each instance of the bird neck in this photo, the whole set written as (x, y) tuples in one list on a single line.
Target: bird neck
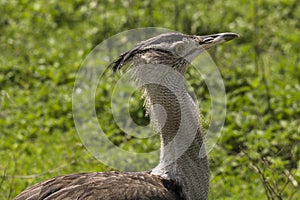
[(176, 117)]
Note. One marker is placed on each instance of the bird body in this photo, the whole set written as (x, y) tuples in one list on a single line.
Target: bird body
[(157, 64), (104, 185)]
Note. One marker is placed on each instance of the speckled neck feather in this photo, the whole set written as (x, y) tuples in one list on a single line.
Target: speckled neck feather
[(176, 118)]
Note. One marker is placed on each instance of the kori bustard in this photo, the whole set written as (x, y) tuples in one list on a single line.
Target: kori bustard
[(183, 171)]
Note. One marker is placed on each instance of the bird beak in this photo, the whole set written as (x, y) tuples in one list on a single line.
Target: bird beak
[(208, 41)]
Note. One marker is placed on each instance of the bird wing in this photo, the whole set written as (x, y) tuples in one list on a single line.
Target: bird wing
[(103, 185)]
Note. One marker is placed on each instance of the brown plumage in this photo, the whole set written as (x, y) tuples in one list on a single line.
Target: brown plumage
[(183, 171), (104, 185)]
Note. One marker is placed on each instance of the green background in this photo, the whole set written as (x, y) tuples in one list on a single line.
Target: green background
[(42, 44)]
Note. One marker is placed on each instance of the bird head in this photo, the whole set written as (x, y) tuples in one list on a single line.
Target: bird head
[(172, 49)]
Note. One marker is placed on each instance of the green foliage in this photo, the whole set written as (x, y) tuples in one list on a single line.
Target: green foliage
[(42, 45)]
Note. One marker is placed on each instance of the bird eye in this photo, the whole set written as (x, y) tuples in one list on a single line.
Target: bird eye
[(179, 48), (207, 40)]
